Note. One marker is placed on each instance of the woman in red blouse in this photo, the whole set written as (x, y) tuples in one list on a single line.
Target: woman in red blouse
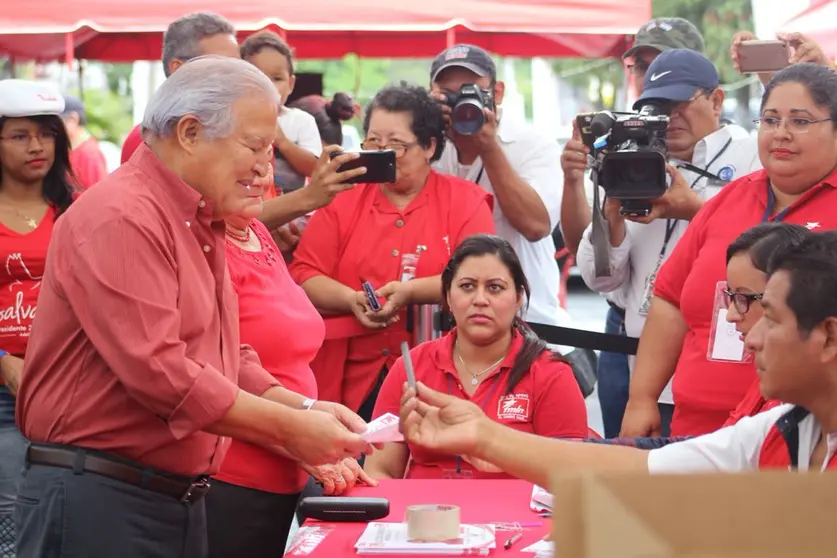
[(253, 498), (491, 358), (34, 191), (396, 236)]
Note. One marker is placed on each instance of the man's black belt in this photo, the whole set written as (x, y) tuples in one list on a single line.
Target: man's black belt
[(616, 308), (185, 489)]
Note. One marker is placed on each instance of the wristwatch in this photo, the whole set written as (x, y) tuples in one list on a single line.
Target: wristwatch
[(308, 403)]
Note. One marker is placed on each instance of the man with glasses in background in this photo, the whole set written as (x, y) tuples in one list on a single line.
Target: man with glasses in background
[(703, 157), (656, 36)]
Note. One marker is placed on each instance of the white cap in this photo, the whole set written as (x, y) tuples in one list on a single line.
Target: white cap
[(20, 98)]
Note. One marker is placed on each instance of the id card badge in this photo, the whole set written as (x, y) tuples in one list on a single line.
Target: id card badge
[(648, 293), (408, 266), (725, 343)]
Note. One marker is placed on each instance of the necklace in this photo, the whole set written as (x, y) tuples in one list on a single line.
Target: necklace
[(476, 377), (238, 235), (30, 222)]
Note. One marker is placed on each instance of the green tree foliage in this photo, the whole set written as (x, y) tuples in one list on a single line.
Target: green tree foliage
[(718, 20)]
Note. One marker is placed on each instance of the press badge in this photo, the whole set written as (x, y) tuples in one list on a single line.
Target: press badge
[(725, 343), (648, 293)]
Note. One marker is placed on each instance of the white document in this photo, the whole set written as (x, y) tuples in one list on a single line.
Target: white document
[(383, 429)]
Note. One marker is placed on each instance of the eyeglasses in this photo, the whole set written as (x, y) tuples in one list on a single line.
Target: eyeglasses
[(741, 301), (792, 125), (399, 148), (679, 106), (23, 140)]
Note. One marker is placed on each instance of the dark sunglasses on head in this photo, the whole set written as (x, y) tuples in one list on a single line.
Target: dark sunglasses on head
[(741, 301)]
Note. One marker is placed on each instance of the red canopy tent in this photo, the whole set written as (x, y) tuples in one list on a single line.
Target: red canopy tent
[(818, 21), (123, 31)]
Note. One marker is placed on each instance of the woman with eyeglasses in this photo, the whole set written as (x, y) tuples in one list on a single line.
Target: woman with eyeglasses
[(396, 236), (35, 189), (687, 335)]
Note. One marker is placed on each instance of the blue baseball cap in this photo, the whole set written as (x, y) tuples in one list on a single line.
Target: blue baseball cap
[(675, 75)]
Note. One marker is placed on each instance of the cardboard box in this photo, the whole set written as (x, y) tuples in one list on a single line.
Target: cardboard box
[(754, 515)]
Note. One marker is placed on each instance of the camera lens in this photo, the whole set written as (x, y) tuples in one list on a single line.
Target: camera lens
[(467, 117), (637, 171)]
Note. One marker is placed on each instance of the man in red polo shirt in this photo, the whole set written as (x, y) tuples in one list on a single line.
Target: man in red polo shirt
[(795, 344), (193, 35)]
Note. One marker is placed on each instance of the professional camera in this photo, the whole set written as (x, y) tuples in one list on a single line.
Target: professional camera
[(466, 115), (630, 153)]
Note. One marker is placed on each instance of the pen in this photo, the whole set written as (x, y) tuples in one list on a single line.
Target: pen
[(511, 540), (408, 365)]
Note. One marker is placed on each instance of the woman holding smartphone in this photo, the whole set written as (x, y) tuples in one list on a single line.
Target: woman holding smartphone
[(397, 236)]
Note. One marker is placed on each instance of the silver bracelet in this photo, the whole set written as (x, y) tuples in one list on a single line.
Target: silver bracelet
[(308, 403)]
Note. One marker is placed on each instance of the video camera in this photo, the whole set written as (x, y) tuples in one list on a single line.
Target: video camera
[(467, 114), (629, 152)]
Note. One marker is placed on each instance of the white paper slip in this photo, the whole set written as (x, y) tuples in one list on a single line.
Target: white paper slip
[(541, 499), (728, 344), (541, 548), (391, 538), (383, 429)]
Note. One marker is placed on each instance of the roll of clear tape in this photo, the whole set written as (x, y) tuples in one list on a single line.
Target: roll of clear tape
[(432, 523)]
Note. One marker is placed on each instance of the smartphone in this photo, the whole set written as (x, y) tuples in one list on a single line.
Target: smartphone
[(583, 121), (380, 166), (371, 297), (762, 56)]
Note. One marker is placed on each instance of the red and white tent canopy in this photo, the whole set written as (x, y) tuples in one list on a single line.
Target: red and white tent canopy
[(125, 30)]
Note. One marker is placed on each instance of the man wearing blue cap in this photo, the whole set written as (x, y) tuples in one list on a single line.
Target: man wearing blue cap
[(704, 155)]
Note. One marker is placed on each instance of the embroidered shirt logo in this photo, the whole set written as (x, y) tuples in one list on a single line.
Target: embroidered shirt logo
[(514, 407)]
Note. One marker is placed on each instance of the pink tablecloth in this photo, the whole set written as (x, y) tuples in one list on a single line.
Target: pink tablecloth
[(481, 501)]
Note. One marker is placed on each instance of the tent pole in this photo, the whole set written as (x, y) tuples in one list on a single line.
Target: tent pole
[(450, 37)]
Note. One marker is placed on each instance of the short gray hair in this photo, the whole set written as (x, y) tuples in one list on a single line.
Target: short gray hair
[(180, 42), (206, 87)]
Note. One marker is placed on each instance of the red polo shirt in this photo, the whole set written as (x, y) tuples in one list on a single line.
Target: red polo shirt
[(705, 392), (361, 236), (752, 404), (272, 307), (546, 401)]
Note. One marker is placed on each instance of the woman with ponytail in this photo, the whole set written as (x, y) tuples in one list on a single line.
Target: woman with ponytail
[(491, 358)]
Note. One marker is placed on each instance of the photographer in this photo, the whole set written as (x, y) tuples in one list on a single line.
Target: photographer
[(658, 35), (507, 158), (682, 84)]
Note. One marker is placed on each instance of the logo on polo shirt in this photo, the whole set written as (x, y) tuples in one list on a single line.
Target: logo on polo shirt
[(514, 407), (727, 172), (811, 225)]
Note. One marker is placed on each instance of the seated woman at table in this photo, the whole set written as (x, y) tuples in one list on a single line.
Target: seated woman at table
[(396, 236), (491, 358)]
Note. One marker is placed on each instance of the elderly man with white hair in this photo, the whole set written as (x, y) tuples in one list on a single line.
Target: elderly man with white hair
[(135, 378)]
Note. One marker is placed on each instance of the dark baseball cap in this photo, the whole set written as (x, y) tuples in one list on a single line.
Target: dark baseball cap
[(667, 33), (675, 75), (74, 105), (464, 56)]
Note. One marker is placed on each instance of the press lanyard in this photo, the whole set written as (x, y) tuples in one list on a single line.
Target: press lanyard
[(771, 205), (671, 224), (482, 407)]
